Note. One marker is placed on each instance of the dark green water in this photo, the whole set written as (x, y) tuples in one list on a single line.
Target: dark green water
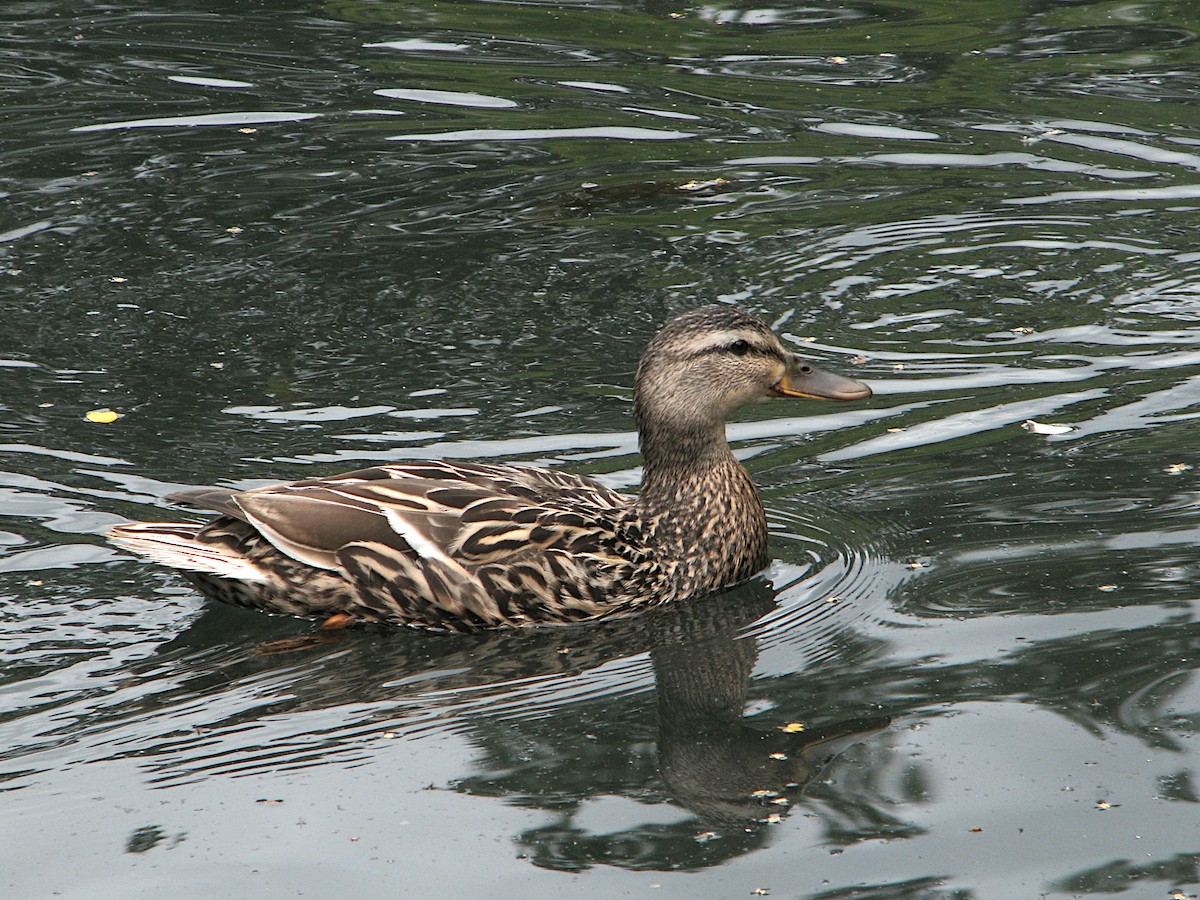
[(286, 239)]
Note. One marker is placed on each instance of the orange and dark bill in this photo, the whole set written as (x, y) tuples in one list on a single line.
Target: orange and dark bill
[(805, 380)]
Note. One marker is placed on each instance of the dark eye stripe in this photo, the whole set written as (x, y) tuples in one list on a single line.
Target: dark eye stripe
[(740, 347)]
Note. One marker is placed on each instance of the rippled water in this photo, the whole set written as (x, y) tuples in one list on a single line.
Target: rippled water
[(288, 239)]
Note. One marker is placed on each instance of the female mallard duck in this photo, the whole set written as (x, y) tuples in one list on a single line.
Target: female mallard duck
[(457, 546)]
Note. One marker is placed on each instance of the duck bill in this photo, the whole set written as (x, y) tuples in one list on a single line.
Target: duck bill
[(804, 380)]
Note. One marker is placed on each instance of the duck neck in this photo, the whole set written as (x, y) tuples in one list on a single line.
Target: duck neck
[(703, 508), (674, 459)]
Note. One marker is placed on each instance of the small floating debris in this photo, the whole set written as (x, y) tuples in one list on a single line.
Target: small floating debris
[(265, 801), (792, 727), (693, 186), (1021, 329), (837, 60), (778, 755), (1106, 588), (1104, 804), (1045, 427), (976, 830), (1177, 468), (118, 279), (1033, 139), (764, 793), (102, 416)]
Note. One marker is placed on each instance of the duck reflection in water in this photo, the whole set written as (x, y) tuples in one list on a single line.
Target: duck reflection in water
[(552, 735), (737, 779)]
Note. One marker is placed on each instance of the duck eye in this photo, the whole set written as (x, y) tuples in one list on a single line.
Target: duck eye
[(739, 348)]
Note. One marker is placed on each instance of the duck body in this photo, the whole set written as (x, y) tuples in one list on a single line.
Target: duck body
[(461, 547)]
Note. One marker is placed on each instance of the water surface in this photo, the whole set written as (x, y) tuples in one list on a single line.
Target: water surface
[(296, 239)]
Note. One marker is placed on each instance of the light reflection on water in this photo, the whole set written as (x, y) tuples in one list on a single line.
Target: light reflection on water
[(377, 248)]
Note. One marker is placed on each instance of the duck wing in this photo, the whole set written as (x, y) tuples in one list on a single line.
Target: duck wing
[(428, 542)]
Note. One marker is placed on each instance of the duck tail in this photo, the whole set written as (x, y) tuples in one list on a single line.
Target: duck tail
[(176, 544)]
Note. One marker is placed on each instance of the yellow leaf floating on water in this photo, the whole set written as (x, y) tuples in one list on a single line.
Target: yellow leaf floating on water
[(103, 416), (792, 727)]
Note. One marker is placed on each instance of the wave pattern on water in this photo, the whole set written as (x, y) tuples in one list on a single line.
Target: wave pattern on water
[(376, 231)]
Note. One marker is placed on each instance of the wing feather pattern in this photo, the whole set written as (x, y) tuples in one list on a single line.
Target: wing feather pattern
[(442, 544)]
